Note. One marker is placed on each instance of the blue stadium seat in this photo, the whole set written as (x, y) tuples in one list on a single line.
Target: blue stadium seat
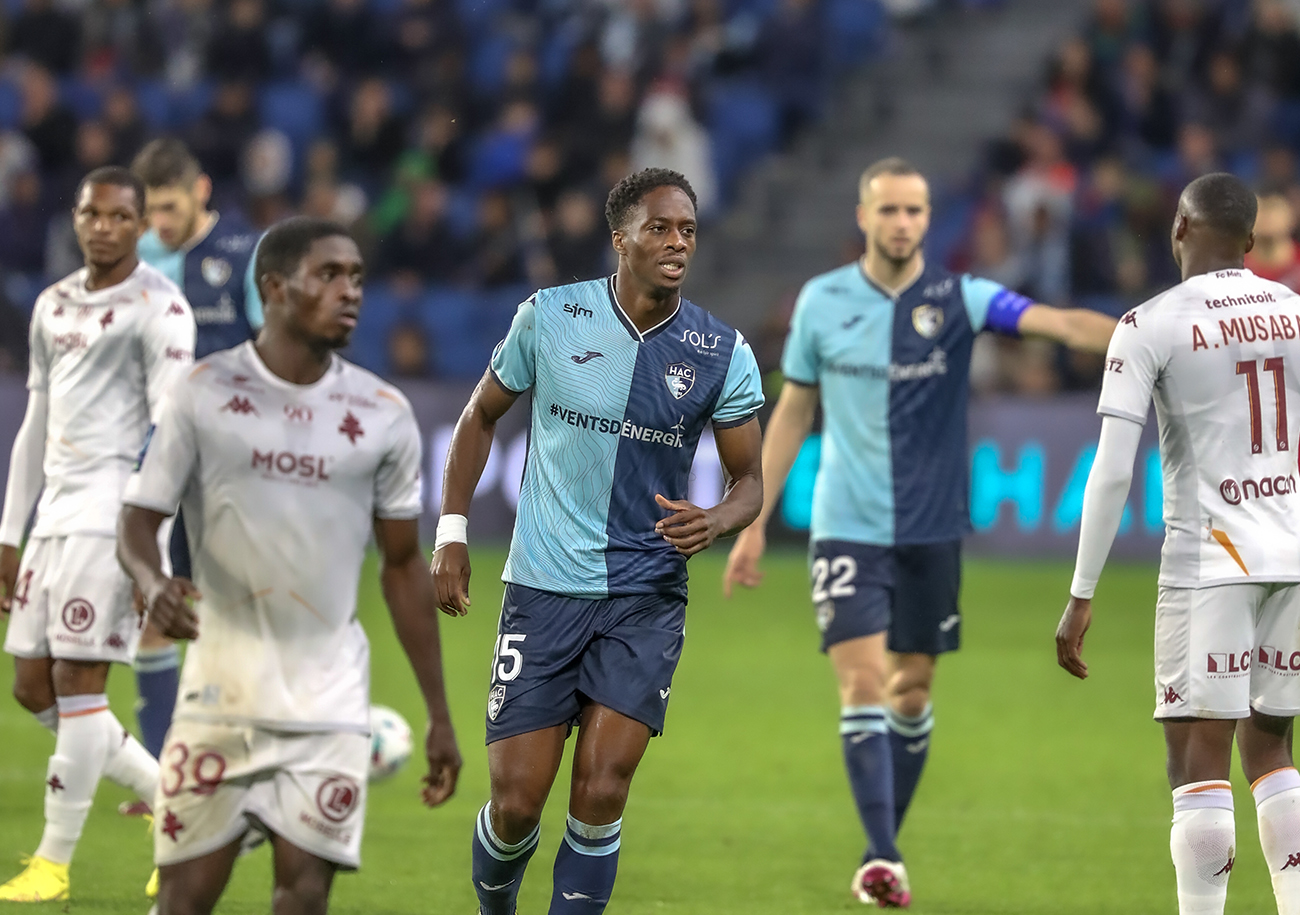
[(295, 108), (477, 15), (487, 63), (82, 98), (855, 29), (448, 316), (11, 105), (155, 103), (188, 105), (498, 159), (743, 127), (380, 312)]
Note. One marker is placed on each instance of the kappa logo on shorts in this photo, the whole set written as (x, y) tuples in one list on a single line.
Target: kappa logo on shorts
[(337, 797), (496, 699), (115, 641), (825, 614), (1170, 696), (1228, 664), (78, 614)]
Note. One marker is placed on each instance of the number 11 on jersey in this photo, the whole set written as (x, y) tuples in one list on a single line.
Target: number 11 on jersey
[(1250, 369)]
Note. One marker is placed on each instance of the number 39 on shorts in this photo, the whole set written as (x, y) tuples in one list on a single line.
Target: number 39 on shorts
[(833, 578), (507, 661)]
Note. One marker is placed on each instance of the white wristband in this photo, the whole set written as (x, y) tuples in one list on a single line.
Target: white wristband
[(451, 529)]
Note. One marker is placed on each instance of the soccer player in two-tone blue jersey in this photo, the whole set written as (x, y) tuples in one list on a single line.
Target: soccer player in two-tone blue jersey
[(625, 376), (210, 256), (884, 346)]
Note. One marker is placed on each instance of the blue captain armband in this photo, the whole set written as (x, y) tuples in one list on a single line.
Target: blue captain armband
[(1005, 310)]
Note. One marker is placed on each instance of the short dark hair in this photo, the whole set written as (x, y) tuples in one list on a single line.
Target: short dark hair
[(629, 192), (166, 162), (893, 165), (286, 243), (116, 176), (1223, 202)]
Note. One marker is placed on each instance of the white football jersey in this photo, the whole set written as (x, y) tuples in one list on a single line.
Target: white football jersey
[(1220, 356), (104, 358), (280, 484)]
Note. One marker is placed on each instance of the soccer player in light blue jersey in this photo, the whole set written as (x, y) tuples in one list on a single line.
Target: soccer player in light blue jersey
[(884, 345), (625, 376)]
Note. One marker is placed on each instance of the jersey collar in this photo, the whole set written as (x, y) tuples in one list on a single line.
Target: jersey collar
[(284, 384), (892, 296), (630, 327)]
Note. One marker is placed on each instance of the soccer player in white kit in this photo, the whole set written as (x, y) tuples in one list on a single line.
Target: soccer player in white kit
[(285, 458), (105, 343), (1220, 356)]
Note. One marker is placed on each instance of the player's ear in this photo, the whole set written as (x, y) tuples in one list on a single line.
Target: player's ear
[(616, 239), (1250, 243), (860, 213), (203, 190), (1180, 226)]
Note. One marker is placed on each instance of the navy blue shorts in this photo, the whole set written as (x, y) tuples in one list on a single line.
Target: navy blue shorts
[(554, 654), (910, 591)]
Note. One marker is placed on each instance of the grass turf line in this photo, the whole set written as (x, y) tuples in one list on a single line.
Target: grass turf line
[(1042, 795)]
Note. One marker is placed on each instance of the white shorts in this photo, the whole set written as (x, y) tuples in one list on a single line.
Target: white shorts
[(73, 601), (1224, 650), (218, 781)]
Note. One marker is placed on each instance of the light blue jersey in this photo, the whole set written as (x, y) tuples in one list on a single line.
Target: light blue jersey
[(616, 417), (894, 373)]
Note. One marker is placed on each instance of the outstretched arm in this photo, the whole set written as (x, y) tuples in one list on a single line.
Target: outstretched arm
[(1103, 507), (470, 444), (792, 418), (691, 529), (408, 591), (1077, 328), (26, 477)]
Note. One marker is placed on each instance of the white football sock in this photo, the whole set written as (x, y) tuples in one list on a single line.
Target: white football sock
[(48, 718), (1202, 843), (80, 751), (1277, 802), (129, 764)]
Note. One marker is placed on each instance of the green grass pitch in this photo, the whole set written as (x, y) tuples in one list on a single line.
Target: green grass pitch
[(1043, 794)]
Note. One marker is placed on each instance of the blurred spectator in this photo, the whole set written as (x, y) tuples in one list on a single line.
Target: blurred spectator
[(238, 50), (46, 35), (341, 38), (423, 249), (422, 30), (991, 256), (408, 351), (668, 137), (1236, 113), (127, 127), (607, 127), (94, 148), (498, 257), (119, 38), (1038, 201), (17, 157), (21, 249), (790, 47), (1110, 31), (501, 154), (1276, 255), (1182, 32), (1146, 113), (579, 241), (1271, 50), (546, 172), (50, 126), (218, 138), (186, 27), (372, 137)]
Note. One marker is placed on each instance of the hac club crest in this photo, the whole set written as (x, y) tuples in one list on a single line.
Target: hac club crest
[(215, 270), (927, 320), (680, 378), (496, 699)]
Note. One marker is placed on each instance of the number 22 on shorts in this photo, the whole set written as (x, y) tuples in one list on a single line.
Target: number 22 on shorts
[(504, 653)]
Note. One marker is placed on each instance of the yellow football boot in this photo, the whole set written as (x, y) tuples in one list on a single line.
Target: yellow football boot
[(151, 888), (41, 881)]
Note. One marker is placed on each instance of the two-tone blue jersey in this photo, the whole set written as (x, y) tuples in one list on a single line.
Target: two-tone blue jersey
[(616, 418), (894, 373), (216, 274)]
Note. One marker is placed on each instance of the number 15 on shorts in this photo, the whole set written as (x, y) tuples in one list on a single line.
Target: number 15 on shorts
[(507, 660)]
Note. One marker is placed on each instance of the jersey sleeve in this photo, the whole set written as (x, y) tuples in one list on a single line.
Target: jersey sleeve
[(514, 361), (397, 482), (252, 295), (1134, 361), (38, 369), (992, 305), (742, 392), (168, 342), (169, 454), (800, 361)]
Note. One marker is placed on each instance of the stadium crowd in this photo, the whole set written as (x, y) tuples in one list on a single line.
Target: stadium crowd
[(469, 144), (1073, 203)]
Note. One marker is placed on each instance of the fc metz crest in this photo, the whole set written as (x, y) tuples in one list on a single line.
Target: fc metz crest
[(215, 270), (680, 378), (927, 320)]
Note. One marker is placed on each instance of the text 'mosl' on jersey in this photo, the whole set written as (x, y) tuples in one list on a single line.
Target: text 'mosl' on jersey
[(1220, 356), (280, 485), (616, 418), (104, 358), (894, 374)]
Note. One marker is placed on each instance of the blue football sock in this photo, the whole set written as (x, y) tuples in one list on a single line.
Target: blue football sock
[(497, 868), (870, 766), (157, 677), (585, 867), (910, 740)]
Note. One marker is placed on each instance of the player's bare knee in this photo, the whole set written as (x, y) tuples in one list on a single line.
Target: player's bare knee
[(861, 684), (910, 703), (515, 814), (598, 798), (1198, 750), (307, 895), (1263, 741), (35, 696)]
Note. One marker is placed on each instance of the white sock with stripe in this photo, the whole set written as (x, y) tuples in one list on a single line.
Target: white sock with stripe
[(80, 752), (1277, 804), (1202, 842)]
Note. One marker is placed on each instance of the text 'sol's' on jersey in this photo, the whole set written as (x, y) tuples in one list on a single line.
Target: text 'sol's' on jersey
[(1220, 356), (105, 358), (280, 485), (617, 416), (894, 373)]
